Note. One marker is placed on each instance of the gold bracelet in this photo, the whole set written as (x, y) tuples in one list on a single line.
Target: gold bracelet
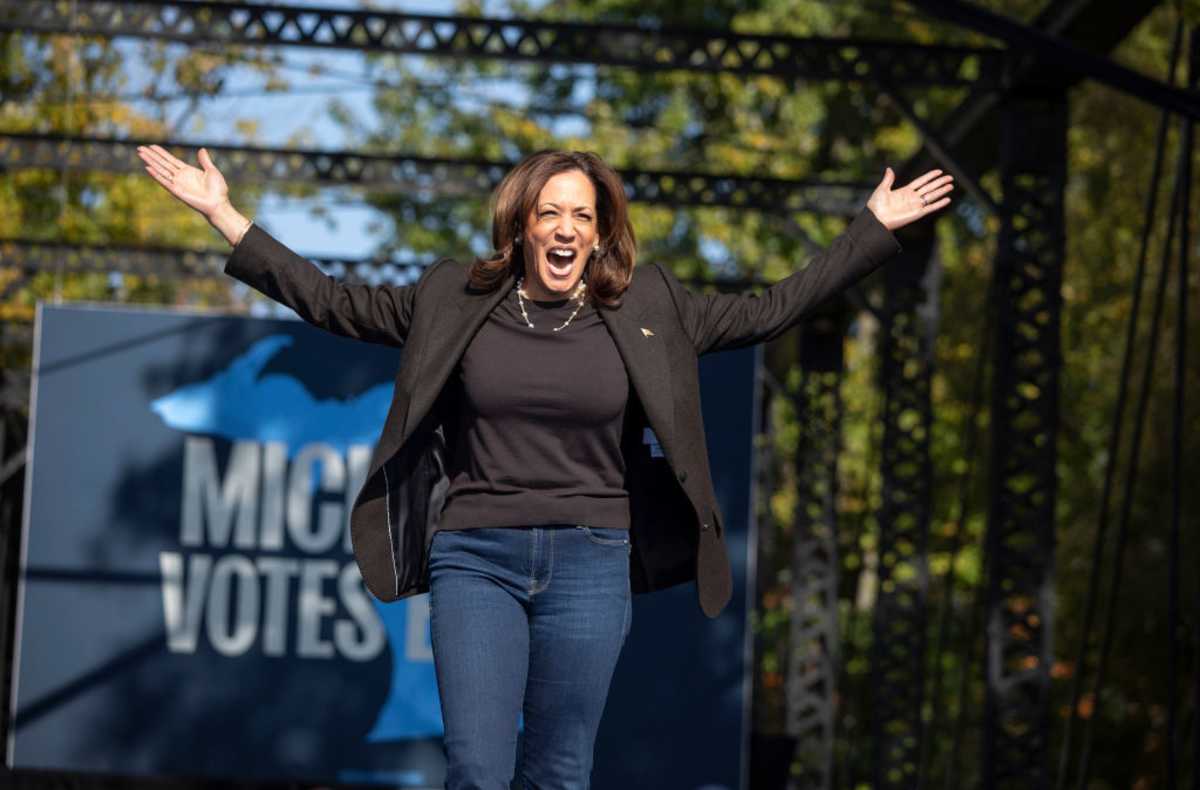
[(242, 235)]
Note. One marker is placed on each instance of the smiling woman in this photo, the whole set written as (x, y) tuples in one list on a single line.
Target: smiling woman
[(546, 429), (560, 220), (560, 235)]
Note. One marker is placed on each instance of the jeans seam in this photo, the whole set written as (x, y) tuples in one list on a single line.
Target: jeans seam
[(599, 541), (532, 558), (533, 588)]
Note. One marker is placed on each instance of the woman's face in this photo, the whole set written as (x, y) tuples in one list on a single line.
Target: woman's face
[(559, 235)]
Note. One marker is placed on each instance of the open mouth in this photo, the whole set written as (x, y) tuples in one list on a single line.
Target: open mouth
[(560, 260)]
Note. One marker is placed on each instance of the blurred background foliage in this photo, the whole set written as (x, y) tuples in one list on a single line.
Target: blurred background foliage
[(723, 123)]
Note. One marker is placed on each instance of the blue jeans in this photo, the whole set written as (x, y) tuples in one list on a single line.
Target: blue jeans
[(529, 621)]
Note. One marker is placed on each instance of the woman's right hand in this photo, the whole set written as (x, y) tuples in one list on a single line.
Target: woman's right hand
[(204, 190)]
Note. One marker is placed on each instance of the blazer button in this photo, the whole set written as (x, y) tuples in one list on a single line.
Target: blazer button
[(704, 525), (682, 475)]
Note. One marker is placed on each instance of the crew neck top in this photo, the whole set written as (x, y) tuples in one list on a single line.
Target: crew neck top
[(540, 420)]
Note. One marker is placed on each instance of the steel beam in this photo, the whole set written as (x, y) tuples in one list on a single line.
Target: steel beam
[(657, 48), (429, 177), (972, 129), (814, 642), (1041, 49), (1024, 425), (34, 256), (906, 469)]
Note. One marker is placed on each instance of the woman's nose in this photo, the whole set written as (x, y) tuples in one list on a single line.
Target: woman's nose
[(565, 230)]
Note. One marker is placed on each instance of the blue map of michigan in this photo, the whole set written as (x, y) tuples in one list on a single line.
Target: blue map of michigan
[(240, 403)]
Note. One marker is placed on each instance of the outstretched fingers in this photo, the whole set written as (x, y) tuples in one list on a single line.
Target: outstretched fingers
[(933, 189), (934, 206), (166, 156), (155, 163), (925, 178), (931, 195), (157, 175)]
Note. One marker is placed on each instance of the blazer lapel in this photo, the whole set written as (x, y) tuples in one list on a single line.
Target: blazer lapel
[(646, 361)]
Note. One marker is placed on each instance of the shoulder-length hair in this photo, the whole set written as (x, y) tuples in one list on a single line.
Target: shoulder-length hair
[(608, 271)]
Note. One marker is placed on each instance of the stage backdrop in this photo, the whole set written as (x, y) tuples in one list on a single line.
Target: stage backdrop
[(188, 601)]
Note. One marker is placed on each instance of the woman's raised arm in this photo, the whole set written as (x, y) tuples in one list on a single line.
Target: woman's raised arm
[(721, 321), (376, 314)]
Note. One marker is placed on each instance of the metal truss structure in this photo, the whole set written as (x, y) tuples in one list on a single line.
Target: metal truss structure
[(35, 256), (1024, 424), (1060, 60), (898, 624), (31, 256), (645, 48), (426, 177), (812, 667), (1017, 106)]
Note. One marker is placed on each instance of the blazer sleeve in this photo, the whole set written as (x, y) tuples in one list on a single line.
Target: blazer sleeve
[(374, 313), (717, 321)]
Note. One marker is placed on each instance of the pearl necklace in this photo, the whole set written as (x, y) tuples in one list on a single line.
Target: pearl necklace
[(576, 294)]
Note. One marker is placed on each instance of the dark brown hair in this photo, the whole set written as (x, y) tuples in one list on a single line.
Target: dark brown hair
[(608, 271)]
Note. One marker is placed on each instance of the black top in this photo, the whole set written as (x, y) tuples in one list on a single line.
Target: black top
[(539, 439)]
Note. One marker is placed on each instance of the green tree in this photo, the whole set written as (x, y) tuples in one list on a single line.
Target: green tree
[(79, 85), (762, 126)]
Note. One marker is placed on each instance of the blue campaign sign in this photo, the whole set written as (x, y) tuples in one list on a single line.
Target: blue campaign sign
[(189, 605)]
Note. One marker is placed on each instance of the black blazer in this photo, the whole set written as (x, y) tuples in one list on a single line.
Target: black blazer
[(660, 329)]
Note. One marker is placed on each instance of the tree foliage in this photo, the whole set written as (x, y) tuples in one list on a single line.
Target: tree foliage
[(91, 86), (759, 126)]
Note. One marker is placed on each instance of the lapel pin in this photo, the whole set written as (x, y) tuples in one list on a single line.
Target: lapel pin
[(647, 332)]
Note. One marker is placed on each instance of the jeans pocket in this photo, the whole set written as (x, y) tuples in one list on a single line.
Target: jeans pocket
[(605, 536)]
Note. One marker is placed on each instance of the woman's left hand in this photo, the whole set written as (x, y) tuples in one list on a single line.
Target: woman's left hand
[(895, 208)]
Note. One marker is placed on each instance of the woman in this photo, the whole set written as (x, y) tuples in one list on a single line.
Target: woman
[(543, 457)]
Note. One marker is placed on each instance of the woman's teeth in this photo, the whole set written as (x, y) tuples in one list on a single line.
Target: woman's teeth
[(560, 260)]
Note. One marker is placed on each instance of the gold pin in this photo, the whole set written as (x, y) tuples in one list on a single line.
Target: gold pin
[(647, 332)]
